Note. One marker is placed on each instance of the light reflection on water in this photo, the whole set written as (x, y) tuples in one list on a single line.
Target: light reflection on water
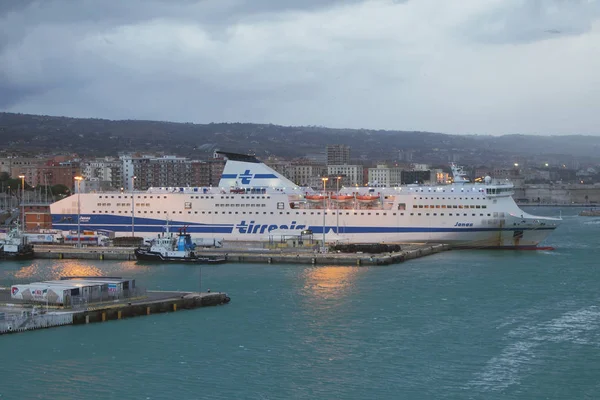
[(329, 282), (56, 269)]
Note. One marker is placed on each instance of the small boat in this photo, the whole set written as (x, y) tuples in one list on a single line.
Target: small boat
[(342, 197), (169, 248), (16, 246), (367, 198), (315, 197)]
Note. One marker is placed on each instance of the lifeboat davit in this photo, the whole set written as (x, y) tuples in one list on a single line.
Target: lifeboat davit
[(342, 197), (315, 197), (367, 198)]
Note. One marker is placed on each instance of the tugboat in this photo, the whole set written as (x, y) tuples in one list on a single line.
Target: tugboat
[(169, 248), (16, 246)]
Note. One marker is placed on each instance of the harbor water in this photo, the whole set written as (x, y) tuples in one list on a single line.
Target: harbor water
[(455, 325)]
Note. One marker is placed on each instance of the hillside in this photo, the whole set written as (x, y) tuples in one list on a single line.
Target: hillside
[(88, 137)]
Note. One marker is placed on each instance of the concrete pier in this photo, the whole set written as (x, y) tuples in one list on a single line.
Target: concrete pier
[(254, 255), (18, 317)]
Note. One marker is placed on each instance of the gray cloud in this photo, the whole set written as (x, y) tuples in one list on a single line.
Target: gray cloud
[(464, 67), (533, 20)]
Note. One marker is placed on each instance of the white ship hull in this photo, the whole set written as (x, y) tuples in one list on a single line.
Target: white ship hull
[(469, 215)]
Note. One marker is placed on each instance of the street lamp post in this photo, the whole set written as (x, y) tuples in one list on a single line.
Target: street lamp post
[(132, 207), (324, 179), (78, 179), (22, 201), (337, 207)]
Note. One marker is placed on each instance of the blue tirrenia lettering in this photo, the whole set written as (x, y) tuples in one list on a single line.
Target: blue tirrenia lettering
[(252, 227)]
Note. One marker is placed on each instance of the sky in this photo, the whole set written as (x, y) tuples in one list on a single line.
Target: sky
[(463, 67)]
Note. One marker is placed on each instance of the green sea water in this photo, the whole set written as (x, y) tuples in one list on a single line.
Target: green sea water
[(456, 325)]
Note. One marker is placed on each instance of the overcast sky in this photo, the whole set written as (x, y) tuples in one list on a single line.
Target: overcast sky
[(468, 66)]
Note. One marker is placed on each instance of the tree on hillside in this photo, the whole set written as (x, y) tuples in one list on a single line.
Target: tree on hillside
[(60, 190)]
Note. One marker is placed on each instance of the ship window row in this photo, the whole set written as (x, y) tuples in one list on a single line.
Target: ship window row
[(246, 197), (240, 205), (298, 213), (451, 198), (202, 197), (129, 197), (448, 206), (451, 214), (498, 190)]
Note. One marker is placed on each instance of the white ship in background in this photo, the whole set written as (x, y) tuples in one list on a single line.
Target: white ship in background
[(254, 203)]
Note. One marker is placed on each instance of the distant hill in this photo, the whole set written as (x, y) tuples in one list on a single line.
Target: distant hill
[(95, 137)]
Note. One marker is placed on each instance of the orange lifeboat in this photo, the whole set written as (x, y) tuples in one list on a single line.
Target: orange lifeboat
[(367, 198), (341, 197), (315, 197)]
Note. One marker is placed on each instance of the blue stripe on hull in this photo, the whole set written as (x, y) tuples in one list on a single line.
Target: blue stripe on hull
[(109, 219), (143, 228), (121, 223)]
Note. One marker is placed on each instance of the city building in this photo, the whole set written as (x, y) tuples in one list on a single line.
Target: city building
[(151, 171), (206, 173), (108, 171), (307, 174), (338, 154), (15, 166), (352, 175), (384, 176)]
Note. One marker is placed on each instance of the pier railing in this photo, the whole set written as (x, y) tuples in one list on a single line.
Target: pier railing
[(83, 302)]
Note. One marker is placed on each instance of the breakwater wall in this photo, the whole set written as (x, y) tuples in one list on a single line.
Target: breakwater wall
[(21, 318)]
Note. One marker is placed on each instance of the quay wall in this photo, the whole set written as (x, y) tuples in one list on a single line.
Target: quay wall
[(128, 310), (113, 311), (264, 256), (32, 322)]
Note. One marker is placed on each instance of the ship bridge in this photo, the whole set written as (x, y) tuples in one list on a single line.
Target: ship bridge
[(499, 191)]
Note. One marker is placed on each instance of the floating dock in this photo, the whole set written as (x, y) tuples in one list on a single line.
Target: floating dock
[(20, 317), (253, 255)]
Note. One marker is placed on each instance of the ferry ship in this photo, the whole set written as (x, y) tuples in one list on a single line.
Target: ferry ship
[(255, 203)]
